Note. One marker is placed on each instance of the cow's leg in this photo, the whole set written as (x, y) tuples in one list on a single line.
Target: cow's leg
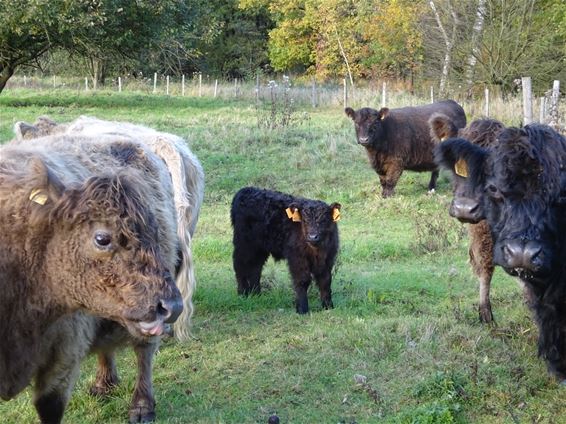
[(106, 374), (255, 273), (551, 320), (391, 177), (324, 280), (247, 267), (432, 182), (241, 270), (481, 260), (54, 382), (301, 275), (142, 408)]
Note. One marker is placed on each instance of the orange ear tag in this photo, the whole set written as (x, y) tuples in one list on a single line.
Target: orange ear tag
[(38, 196), (295, 216), (336, 214), (461, 168)]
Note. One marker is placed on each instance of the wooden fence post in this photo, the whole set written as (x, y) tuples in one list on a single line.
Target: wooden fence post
[(553, 112), (155, 82), (313, 93), (383, 93), (542, 112), (183, 85), (215, 88), (345, 92), (431, 94), (527, 100), (119, 84), (167, 89), (86, 83), (486, 106)]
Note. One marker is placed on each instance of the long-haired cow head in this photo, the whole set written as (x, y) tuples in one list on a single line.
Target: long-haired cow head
[(103, 252), (524, 200), (318, 220), (465, 162)]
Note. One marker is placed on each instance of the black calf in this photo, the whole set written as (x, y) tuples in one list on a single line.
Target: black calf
[(302, 231)]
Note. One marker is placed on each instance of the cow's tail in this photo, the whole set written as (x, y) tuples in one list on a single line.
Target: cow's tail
[(187, 205)]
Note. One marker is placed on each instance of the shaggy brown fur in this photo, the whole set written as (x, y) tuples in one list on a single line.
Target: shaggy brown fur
[(188, 185), (399, 139), (482, 132), (89, 225)]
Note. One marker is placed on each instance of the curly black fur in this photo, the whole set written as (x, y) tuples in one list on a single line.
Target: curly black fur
[(262, 228)]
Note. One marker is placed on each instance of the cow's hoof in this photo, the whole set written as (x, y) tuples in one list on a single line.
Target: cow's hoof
[(486, 316), (101, 391), (142, 415)]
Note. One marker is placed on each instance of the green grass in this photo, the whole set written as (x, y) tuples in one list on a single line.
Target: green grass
[(405, 315)]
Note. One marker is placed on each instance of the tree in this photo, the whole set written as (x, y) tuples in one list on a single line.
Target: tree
[(101, 30)]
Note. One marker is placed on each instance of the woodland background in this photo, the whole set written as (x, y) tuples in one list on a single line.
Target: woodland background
[(468, 44)]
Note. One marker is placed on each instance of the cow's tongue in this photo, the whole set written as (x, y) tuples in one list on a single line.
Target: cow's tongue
[(153, 328)]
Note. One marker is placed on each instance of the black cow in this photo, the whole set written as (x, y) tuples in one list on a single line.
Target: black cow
[(302, 231), (399, 139), (523, 183)]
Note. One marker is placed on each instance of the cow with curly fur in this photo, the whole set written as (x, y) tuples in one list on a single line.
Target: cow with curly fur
[(187, 179), (301, 231), (523, 184), (89, 241)]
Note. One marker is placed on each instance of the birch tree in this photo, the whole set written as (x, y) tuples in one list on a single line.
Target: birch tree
[(449, 41)]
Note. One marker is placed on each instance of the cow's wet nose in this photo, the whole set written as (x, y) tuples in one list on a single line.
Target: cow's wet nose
[(313, 238), (521, 255), (170, 309), (363, 140), (466, 210)]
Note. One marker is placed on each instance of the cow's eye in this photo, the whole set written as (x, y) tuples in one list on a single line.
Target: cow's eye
[(493, 192), (102, 240)]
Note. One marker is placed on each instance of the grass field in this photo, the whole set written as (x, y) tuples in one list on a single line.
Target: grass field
[(403, 343)]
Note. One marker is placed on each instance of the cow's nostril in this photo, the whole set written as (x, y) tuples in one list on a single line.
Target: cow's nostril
[(169, 309)]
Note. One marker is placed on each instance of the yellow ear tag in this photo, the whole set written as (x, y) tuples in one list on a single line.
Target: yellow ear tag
[(461, 168), (336, 214), (295, 216), (38, 196)]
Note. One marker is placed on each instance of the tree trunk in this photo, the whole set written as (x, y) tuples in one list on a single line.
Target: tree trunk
[(6, 73), (476, 39), (448, 41)]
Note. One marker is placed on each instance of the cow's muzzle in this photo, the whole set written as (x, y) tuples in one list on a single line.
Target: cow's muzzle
[(466, 210)]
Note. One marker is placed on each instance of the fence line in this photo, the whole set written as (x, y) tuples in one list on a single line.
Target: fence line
[(372, 94)]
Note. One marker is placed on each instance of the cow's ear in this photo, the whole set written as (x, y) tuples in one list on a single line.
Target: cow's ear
[(23, 130), (350, 112), (441, 127), (383, 112), (47, 187), (335, 207), (293, 212)]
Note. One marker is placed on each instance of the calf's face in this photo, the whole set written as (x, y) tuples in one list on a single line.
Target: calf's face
[(104, 255), (368, 124), (318, 220)]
